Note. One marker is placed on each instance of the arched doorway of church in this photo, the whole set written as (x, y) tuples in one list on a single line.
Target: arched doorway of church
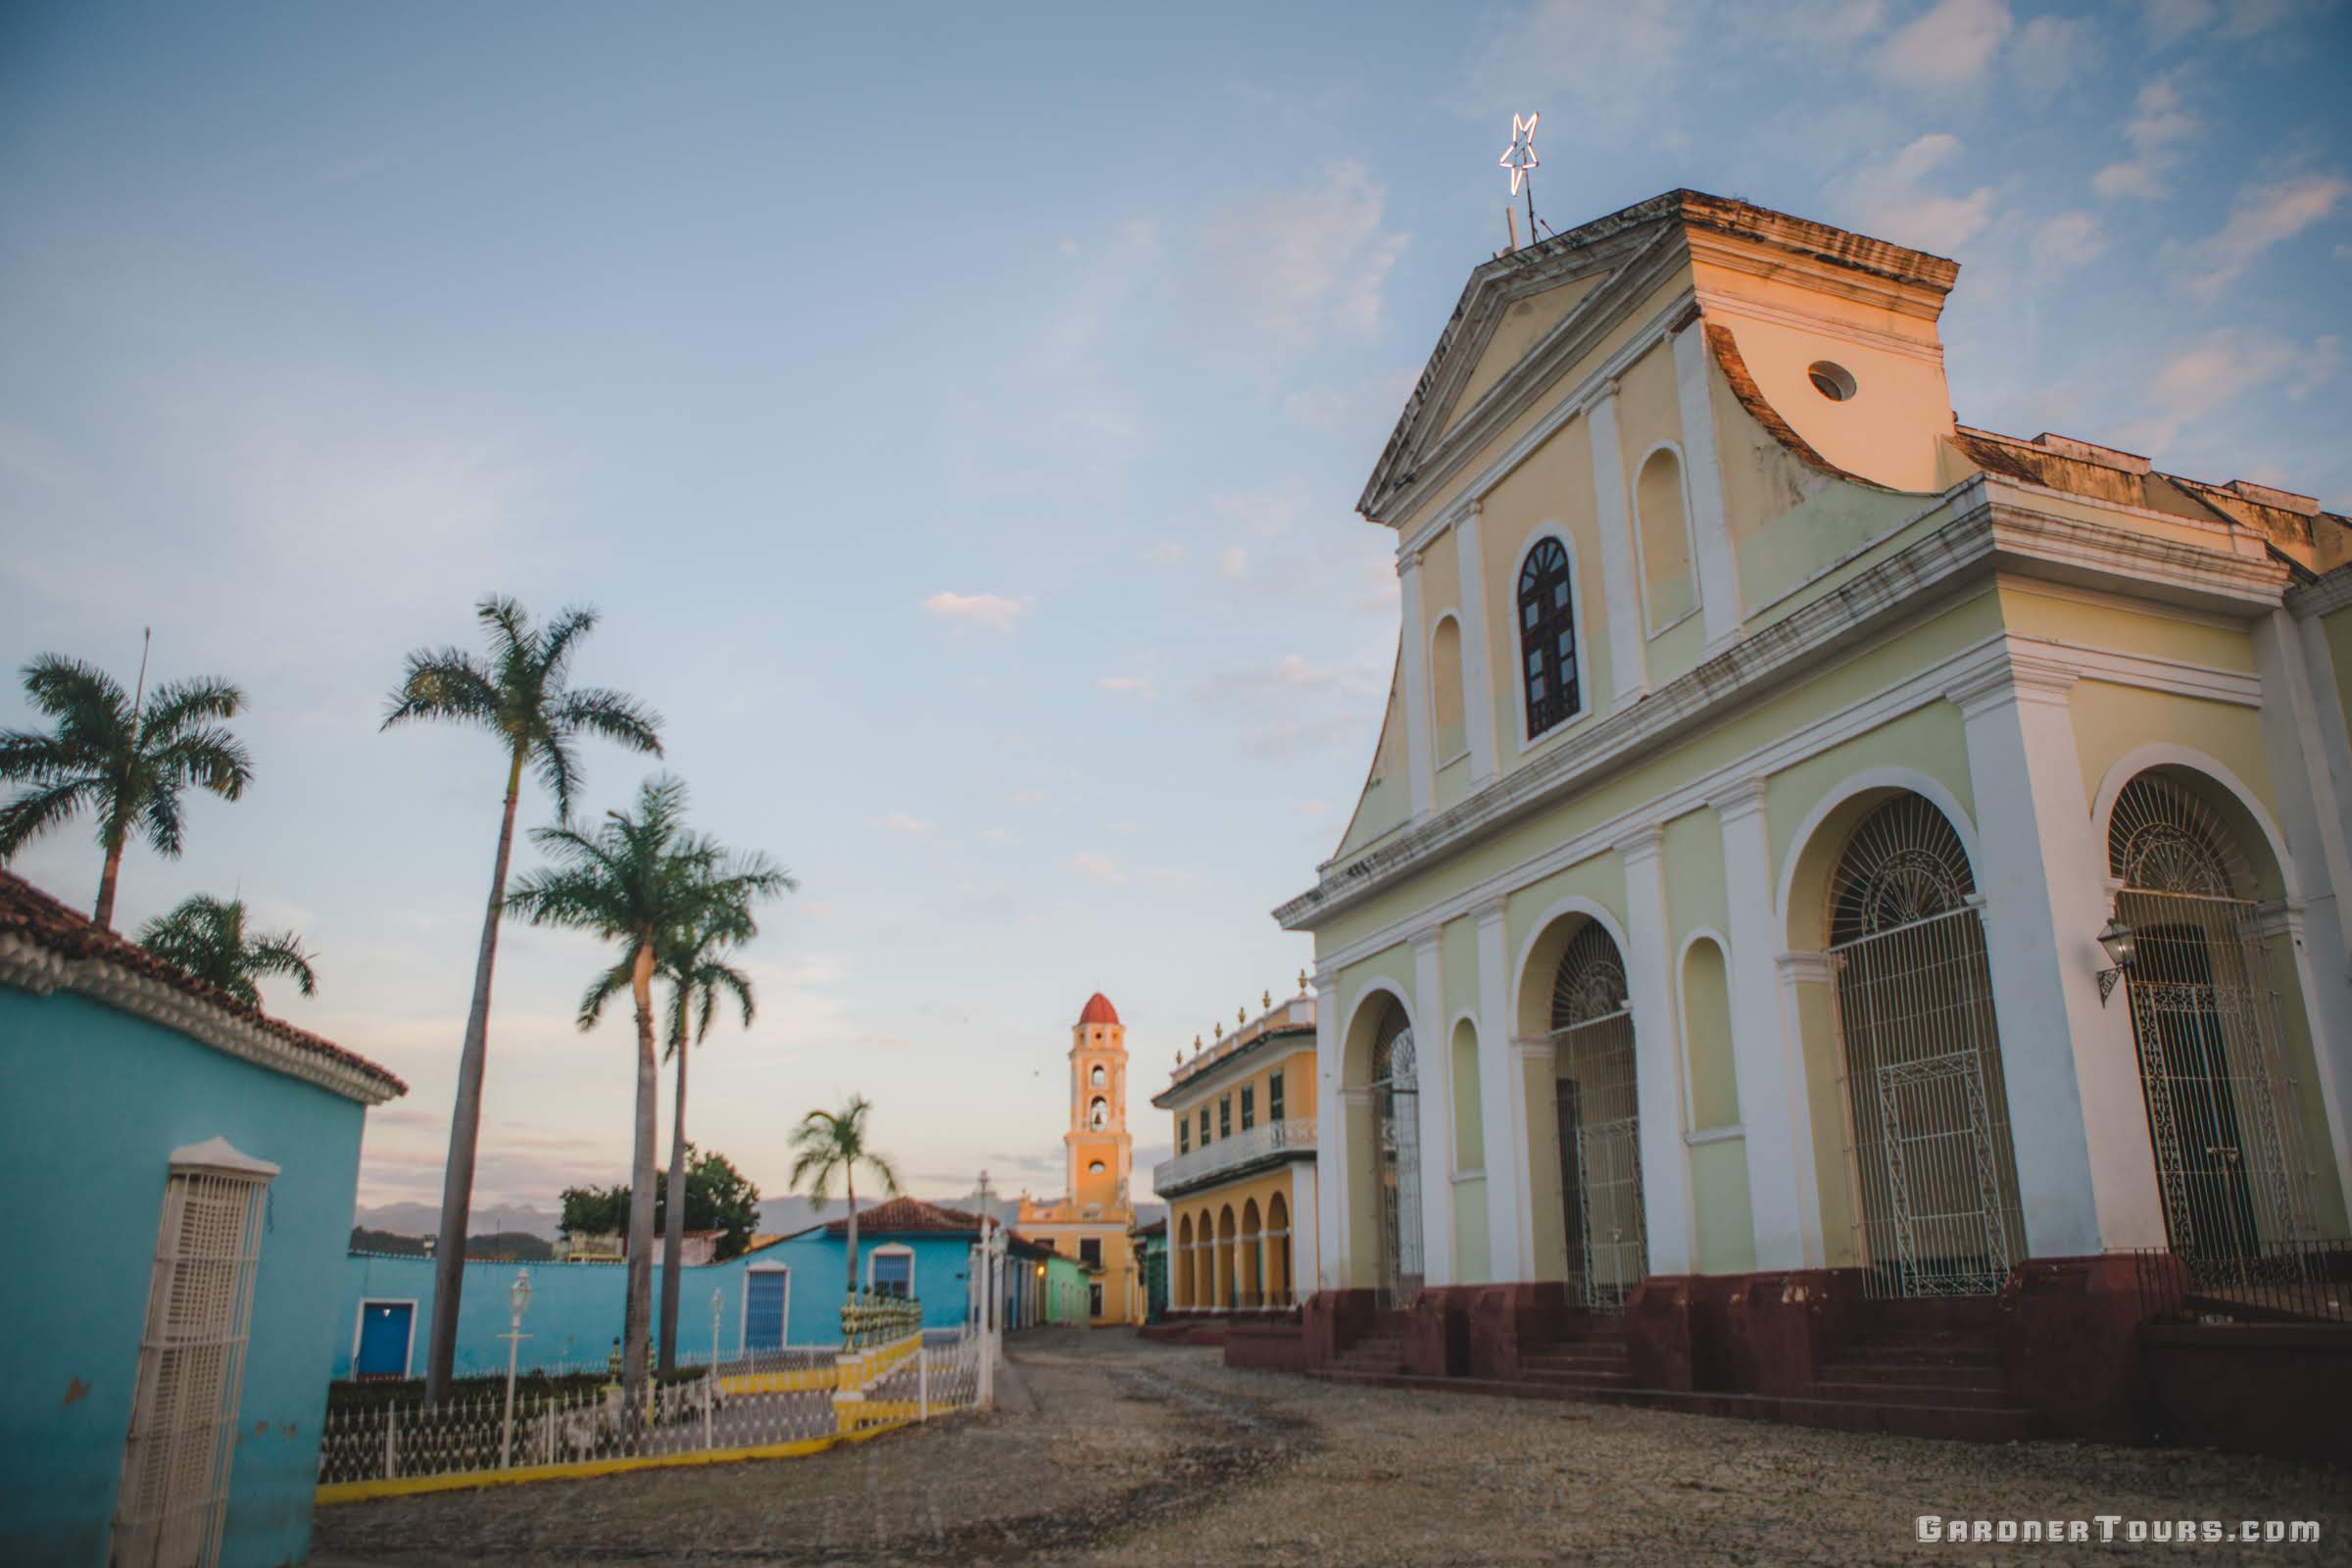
[(1934, 1168), (1278, 1250), (1181, 1275), (2221, 1118), (1396, 1160), (1600, 1119)]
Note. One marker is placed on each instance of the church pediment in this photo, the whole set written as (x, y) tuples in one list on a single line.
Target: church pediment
[(1513, 314)]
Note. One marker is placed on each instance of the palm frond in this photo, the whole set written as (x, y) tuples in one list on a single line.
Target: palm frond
[(83, 695), (556, 770), (560, 636), (181, 705), (28, 757), (881, 1166), (40, 810), (207, 756), (610, 716), (603, 989), (159, 817), (282, 953), (446, 683)]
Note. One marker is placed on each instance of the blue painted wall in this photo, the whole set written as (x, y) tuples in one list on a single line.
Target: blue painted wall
[(92, 1103), (575, 1310)]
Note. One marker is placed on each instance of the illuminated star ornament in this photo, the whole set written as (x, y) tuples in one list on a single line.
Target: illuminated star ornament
[(1520, 157)]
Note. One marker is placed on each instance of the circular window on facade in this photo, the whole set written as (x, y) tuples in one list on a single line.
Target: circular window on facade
[(1833, 381), (1095, 1169)]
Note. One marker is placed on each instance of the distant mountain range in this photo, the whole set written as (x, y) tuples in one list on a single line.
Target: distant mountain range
[(778, 1216)]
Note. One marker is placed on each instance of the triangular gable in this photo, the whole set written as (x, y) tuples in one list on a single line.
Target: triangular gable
[(1511, 332)]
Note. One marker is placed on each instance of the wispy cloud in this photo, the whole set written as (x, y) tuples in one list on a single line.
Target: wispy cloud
[(1166, 553), (2050, 52), (1897, 202), (994, 611), (2068, 240), (2170, 21), (2161, 122), (900, 822), (1102, 868), (1136, 686), (2260, 219), (2212, 371), (1274, 273), (1949, 45), (1233, 563), (1525, 54)]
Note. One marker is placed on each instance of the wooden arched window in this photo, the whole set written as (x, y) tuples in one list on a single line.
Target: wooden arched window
[(1547, 638)]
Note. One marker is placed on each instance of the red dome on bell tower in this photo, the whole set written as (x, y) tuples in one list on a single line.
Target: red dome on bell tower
[(1099, 1010)]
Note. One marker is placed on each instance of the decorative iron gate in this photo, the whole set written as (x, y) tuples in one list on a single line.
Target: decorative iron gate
[(1396, 1153), (1929, 1155), (2221, 1116), (1599, 1124)]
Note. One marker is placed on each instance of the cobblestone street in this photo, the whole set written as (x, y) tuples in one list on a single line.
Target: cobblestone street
[(1115, 1451)]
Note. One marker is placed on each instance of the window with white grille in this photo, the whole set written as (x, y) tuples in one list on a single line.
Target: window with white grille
[(183, 1417)]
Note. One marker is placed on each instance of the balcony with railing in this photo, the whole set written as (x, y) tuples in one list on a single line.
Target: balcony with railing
[(1228, 1155)]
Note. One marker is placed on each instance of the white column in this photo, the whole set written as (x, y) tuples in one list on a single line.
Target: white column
[(1419, 768), (2312, 812), (1305, 1227), (1768, 1058), (1331, 1141), (1793, 972), (1629, 677), (1502, 1107), (1478, 682), (1657, 1054), (1702, 480), (1433, 1099), (2085, 1171)]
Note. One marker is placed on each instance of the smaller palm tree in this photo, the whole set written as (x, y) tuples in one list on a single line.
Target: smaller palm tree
[(206, 937), (124, 756), (829, 1144)]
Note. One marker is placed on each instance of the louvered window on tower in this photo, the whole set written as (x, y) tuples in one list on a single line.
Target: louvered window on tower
[(1274, 1097), (1249, 1109), (176, 1465), (1225, 1117)]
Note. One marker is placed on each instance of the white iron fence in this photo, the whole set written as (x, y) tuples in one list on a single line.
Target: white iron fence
[(780, 1399)]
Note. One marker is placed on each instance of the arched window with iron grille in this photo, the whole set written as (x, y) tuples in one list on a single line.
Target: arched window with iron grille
[(1549, 668), (1933, 1167), (1599, 1118)]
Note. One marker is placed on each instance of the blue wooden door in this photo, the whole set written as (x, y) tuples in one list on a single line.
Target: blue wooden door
[(383, 1340), (763, 1309)]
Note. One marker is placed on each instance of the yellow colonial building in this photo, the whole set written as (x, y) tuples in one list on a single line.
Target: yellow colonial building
[(1096, 1222), (1826, 871), (1240, 1188)]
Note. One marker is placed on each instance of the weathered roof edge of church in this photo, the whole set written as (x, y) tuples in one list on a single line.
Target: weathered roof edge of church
[(1590, 245)]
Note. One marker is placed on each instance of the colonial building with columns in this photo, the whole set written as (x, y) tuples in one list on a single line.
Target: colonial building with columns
[(1826, 872)]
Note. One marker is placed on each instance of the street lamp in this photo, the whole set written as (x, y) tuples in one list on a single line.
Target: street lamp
[(519, 1297), (2121, 944)]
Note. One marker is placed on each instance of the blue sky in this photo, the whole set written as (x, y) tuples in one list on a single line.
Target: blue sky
[(957, 415)]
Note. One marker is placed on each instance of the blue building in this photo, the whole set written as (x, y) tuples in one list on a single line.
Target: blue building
[(184, 1169), (785, 1293)]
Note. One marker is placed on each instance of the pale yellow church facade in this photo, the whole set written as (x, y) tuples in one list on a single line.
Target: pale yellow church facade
[(1817, 852)]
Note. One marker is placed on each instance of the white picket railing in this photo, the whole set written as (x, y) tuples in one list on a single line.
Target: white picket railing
[(780, 1401)]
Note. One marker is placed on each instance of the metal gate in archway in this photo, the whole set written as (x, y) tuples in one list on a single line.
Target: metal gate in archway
[(1599, 1124), (1396, 1160), (1929, 1155), (2221, 1116)]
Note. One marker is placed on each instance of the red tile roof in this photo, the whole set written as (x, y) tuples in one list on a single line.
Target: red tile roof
[(905, 1215), (32, 917), (1098, 1011)]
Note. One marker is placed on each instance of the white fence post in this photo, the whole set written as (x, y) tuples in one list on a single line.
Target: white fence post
[(922, 1383), (391, 1446)]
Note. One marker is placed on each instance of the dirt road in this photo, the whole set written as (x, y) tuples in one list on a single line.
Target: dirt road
[(1115, 1451)]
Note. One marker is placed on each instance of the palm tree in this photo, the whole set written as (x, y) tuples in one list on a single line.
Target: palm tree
[(829, 1143), (125, 758), (697, 969), (520, 693), (639, 877), (207, 938)]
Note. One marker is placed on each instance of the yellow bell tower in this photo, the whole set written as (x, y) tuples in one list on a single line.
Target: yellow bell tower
[(1101, 1151)]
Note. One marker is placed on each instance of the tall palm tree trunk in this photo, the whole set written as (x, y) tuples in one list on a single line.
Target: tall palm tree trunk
[(850, 1173), (465, 1120), (641, 1201), (673, 1219), (104, 915)]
